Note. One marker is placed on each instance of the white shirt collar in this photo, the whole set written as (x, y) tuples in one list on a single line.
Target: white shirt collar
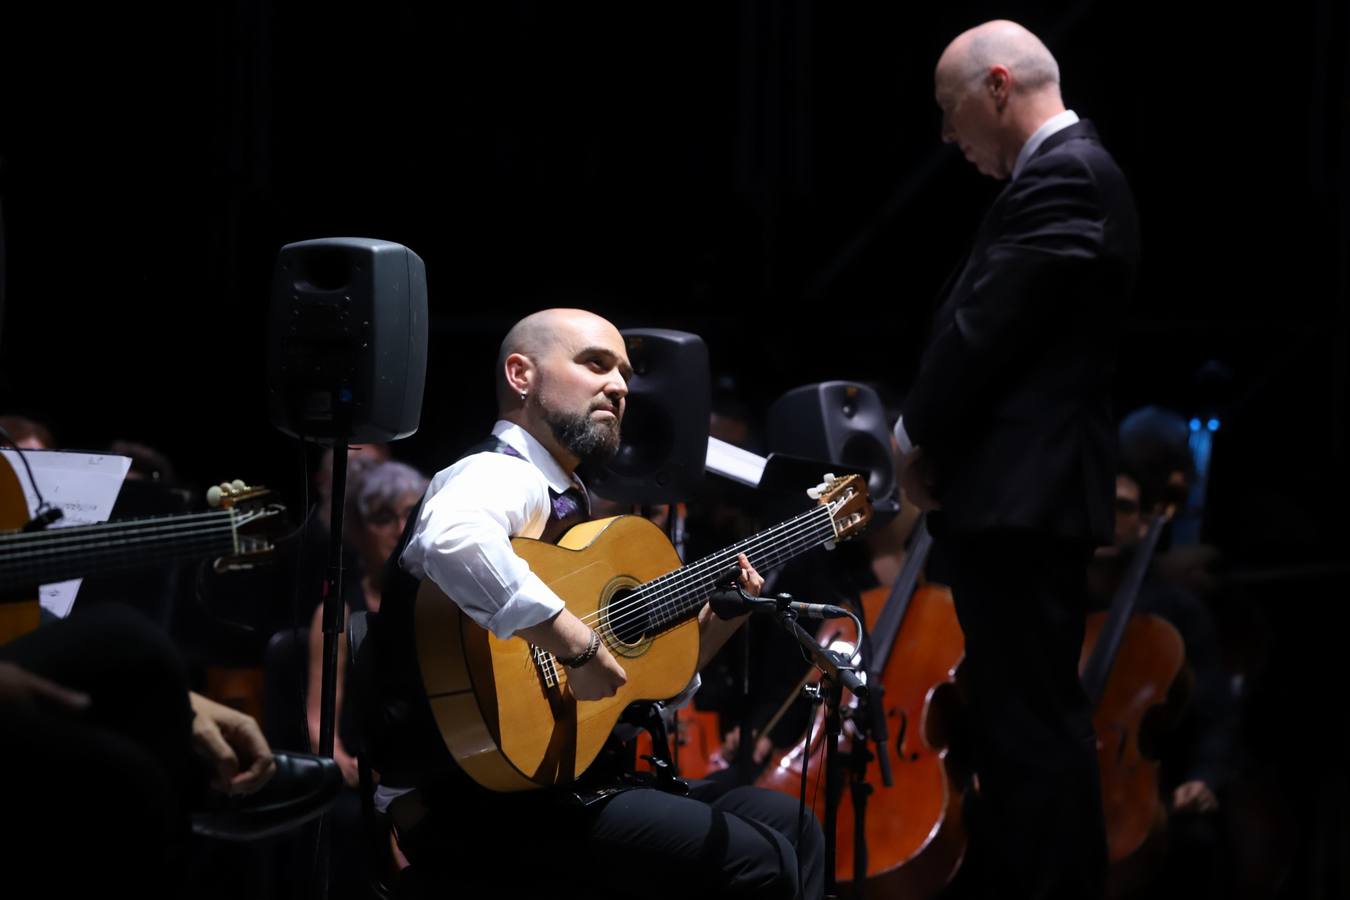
[(1055, 123), (536, 453)]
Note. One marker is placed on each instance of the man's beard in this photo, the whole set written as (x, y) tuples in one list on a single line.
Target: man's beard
[(583, 437)]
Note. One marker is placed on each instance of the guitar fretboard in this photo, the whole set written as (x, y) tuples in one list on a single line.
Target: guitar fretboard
[(32, 558), (675, 597)]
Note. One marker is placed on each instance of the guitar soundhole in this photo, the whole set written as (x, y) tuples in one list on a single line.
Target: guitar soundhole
[(628, 617)]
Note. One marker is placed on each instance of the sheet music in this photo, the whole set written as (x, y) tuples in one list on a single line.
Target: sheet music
[(732, 462), (84, 486)]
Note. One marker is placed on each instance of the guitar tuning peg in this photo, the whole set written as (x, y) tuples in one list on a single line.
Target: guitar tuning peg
[(238, 485), (214, 495), (819, 490)]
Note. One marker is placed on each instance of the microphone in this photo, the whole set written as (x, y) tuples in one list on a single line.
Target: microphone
[(810, 610), (733, 601)]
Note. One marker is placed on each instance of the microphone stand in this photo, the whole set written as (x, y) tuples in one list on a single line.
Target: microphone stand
[(836, 675), (869, 717)]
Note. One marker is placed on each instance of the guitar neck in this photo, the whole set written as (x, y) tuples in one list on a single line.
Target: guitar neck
[(28, 559), (678, 596)]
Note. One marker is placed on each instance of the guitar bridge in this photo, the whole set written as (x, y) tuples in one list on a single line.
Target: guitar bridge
[(546, 664)]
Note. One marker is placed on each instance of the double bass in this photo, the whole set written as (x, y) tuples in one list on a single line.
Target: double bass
[(915, 839)]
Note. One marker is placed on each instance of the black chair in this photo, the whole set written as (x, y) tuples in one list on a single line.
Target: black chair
[(386, 881), (285, 682), (302, 789), (305, 785), (286, 723)]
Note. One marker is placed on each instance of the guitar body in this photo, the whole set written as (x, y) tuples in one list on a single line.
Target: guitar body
[(507, 716), (19, 614)]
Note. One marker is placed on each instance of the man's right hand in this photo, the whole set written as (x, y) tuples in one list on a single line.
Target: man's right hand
[(566, 636), (600, 678)]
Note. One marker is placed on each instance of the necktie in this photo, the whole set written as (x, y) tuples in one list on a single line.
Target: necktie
[(571, 507)]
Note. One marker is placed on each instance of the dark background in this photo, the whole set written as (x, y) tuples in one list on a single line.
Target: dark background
[(766, 174)]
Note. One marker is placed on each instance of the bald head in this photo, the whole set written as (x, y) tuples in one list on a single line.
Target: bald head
[(1000, 43), (996, 84), (544, 332), (562, 374), (530, 337)]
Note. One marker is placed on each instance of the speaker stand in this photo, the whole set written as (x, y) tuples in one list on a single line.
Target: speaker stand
[(334, 621)]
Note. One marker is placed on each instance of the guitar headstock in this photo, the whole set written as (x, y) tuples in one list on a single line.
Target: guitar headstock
[(256, 521), (850, 506)]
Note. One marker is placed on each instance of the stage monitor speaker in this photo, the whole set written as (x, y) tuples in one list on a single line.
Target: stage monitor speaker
[(347, 340), (842, 422), (664, 445)]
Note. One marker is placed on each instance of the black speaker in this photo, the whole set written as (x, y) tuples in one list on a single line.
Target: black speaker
[(665, 425), (347, 340), (841, 422)]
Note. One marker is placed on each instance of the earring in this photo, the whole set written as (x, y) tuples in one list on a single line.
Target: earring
[(522, 395)]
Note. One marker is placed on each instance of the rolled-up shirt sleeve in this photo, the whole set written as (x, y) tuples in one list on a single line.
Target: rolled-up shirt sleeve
[(462, 541)]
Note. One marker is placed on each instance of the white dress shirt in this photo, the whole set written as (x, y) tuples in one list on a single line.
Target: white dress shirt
[(462, 540), (1048, 127)]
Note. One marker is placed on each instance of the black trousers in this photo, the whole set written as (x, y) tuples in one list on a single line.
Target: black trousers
[(721, 841), (99, 798), (1036, 827)]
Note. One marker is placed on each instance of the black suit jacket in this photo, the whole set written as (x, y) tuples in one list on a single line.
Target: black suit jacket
[(1012, 404)]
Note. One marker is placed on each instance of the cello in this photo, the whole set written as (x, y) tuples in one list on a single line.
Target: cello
[(915, 840), (1128, 665)]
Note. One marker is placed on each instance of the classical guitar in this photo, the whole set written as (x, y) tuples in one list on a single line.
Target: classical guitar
[(234, 534), (503, 706)]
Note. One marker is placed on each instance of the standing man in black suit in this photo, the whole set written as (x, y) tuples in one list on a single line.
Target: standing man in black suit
[(1007, 435)]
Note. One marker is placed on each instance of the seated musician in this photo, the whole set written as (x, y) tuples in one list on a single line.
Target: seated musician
[(561, 385), (1195, 748)]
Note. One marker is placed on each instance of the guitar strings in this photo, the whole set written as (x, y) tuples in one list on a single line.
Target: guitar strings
[(771, 544), (96, 537), (769, 548), (775, 545), (87, 541), (203, 531), (22, 541)]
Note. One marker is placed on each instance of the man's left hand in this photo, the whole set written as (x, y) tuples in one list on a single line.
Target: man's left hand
[(751, 581), (713, 630)]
